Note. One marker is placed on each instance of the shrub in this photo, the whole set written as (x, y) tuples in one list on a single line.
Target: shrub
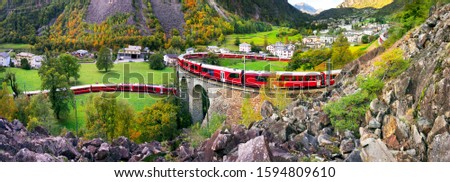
[(370, 84), (157, 62), (24, 64), (391, 64), (198, 134), (346, 113)]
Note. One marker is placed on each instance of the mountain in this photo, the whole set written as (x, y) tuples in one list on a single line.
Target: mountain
[(306, 8), (365, 3), (272, 11)]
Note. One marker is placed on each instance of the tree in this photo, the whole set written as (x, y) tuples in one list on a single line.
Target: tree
[(54, 79), (157, 122), (157, 62), (7, 105), (341, 53), (101, 111), (104, 59), (22, 103), (10, 77), (237, 41), (212, 59), (266, 42), (40, 108), (254, 48), (24, 64), (70, 65)]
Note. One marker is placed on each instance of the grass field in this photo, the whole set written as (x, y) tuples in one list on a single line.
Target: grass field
[(121, 73), (257, 38), (4, 47), (253, 65), (136, 100)]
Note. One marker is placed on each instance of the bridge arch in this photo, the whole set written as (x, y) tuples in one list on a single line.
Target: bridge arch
[(199, 103)]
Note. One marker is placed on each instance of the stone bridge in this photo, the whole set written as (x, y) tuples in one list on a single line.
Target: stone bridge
[(206, 96)]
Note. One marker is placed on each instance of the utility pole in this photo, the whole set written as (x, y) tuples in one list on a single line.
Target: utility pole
[(244, 75), (76, 112), (329, 74)]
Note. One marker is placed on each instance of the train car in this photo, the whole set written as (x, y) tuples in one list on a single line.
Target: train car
[(104, 88), (334, 74), (211, 72), (81, 90), (125, 88), (294, 80), (257, 79)]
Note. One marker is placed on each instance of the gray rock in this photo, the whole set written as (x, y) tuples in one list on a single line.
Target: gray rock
[(374, 150), (267, 109), (25, 155), (102, 152), (439, 148), (306, 143), (324, 139), (424, 125), (355, 156), (281, 155), (224, 143), (300, 113), (374, 124), (281, 130), (440, 126), (347, 146), (255, 150)]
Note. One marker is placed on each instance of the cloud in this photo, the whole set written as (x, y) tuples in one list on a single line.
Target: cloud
[(319, 4)]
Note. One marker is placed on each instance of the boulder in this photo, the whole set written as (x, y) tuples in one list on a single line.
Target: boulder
[(102, 152), (418, 142), (281, 130), (224, 143), (374, 150), (119, 153), (424, 125), (300, 113), (439, 149), (395, 127), (267, 109), (281, 155), (25, 155), (306, 143), (324, 139), (354, 156), (96, 142), (440, 126), (374, 124), (423, 38), (255, 150), (347, 146)]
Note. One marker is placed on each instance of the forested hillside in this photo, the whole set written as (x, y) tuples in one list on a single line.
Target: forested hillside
[(279, 12), (365, 3)]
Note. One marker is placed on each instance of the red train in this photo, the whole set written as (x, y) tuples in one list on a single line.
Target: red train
[(254, 78), (236, 56), (153, 89)]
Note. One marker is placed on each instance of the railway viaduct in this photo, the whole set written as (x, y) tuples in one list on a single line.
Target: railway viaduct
[(201, 93)]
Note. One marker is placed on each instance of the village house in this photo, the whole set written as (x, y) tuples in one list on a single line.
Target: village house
[(224, 50), (80, 53), (5, 59), (281, 50), (34, 60), (170, 59), (213, 49), (131, 52), (245, 47), (190, 50)]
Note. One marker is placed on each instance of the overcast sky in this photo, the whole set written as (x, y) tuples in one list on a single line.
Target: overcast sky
[(319, 4)]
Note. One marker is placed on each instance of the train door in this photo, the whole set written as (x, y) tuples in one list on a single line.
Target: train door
[(222, 76), (319, 81), (242, 77)]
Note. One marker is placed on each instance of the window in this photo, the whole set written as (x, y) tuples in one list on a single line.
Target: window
[(287, 78), (300, 78), (307, 78), (234, 75), (261, 79)]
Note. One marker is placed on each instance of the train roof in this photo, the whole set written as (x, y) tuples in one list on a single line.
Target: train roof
[(297, 73), (259, 72), (221, 68)]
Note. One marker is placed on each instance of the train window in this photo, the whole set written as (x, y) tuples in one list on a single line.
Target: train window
[(261, 79), (211, 72), (234, 75), (307, 78), (204, 70), (287, 78), (313, 78), (300, 78)]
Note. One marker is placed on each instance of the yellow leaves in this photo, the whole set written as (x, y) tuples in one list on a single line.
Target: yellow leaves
[(7, 105)]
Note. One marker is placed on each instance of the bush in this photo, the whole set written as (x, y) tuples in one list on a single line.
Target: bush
[(348, 112), (372, 85), (391, 64), (199, 134)]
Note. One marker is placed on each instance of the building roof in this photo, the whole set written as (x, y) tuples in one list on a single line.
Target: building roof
[(244, 44), (4, 54), (25, 54), (172, 56), (190, 49)]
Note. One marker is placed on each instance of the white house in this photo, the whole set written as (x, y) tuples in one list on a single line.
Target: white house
[(190, 50), (244, 47), (36, 62), (224, 50), (213, 49), (170, 59), (23, 55), (281, 50), (131, 52), (5, 59)]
